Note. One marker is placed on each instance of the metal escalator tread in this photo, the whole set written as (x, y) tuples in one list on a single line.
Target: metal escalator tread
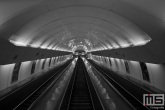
[(80, 98)]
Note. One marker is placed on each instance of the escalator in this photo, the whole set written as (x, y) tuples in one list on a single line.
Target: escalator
[(23, 97), (78, 95), (129, 90)]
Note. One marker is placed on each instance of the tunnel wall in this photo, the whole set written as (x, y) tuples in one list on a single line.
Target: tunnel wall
[(156, 71), (25, 74), (12, 54)]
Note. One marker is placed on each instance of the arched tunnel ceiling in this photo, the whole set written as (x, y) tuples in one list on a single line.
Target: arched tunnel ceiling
[(95, 24), (80, 22)]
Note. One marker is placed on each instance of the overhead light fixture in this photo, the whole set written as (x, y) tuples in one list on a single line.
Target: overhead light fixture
[(43, 47), (142, 42), (34, 45), (49, 48), (17, 43)]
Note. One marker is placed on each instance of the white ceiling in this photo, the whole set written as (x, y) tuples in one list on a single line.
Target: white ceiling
[(95, 24)]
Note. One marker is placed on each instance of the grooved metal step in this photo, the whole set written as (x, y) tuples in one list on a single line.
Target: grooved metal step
[(80, 98)]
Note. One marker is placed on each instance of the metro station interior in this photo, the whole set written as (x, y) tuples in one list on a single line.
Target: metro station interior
[(82, 54)]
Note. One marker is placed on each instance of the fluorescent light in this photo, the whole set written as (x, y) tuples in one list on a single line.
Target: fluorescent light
[(142, 42), (34, 45), (49, 48), (43, 47), (17, 43)]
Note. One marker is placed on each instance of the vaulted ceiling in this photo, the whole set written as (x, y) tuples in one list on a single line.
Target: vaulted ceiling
[(131, 28)]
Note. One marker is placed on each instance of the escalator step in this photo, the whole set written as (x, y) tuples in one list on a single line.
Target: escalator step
[(80, 98)]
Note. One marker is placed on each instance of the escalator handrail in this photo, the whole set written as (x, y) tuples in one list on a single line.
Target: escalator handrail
[(39, 88), (95, 91), (49, 86), (67, 88), (116, 90), (7, 95), (72, 87), (118, 85), (132, 82)]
